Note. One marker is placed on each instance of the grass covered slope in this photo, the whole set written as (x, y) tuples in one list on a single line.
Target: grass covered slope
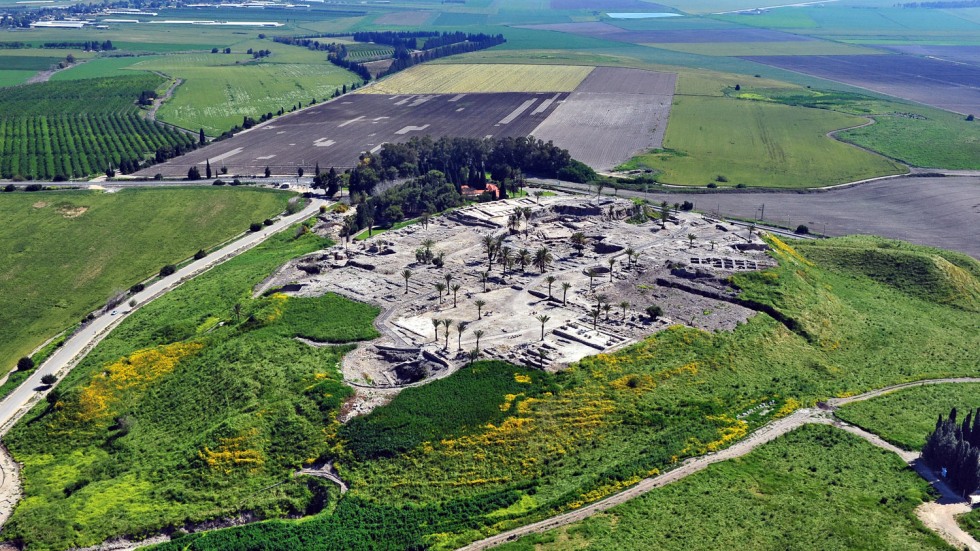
[(189, 411), (905, 418), (814, 488), (64, 253), (425, 472)]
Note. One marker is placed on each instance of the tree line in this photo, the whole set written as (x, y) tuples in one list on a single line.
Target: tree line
[(955, 449), (468, 161), (88, 46), (408, 50)]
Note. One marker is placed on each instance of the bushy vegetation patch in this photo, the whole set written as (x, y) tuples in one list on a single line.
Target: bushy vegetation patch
[(198, 406), (816, 487), (420, 414), (906, 417)]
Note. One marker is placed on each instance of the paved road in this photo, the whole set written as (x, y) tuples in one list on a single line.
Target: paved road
[(942, 212), (31, 391), (763, 435)]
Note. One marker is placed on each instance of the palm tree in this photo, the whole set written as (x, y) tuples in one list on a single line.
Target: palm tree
[(505, 256), (440, 287), (237, 310), (490, 246), (612, 263), (524, 258), (565, 286), (435, 325), (606, 308), (455, 289), (712, 245), (479, 308), (625, 306), (578, 242), (543, 319), (447, 323), (460, 328), (600, 299), (484, 276), (636, 257), (542, 356), (630, 251), (473, 355), (407, 274), (591, 273), (478, 333), (691, 237), (595, 317), (449, 279), (542, 257), (551, 280)]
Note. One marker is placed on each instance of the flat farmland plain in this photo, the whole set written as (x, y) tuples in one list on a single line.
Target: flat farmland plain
[(954, 86), (606, 31), (612, 114), (615, 114), (465, 79), (335, 133)]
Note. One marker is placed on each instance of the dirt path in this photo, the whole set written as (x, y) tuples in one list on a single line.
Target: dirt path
[(151, 114), (937, 516)]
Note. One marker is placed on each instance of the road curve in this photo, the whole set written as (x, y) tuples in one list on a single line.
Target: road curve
[(763, 435), (31, 391)]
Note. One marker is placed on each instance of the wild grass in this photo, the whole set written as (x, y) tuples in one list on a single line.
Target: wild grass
[(905, 418), (66, 252), (192, 409), (816, 487)]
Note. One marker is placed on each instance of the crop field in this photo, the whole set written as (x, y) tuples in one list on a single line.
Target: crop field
[(469, 79), (66, 253), (404, 18), (639, 5), (939, 83), (788, 494), (605, 31), (905, 418), (758, 144), (217, 92), (956, 54), (625, 111), (60, 129), (13, 78), (336, 132), (741, 49), (101, 67)]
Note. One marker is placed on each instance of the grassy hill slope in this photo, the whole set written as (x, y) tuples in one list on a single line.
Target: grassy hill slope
[(433, 470), (64, 253)]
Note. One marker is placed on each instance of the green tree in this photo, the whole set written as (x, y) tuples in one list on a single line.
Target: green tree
[(591, 273), (543, 257), (551, 281), (25, 364), (268, 172), (207, 169), (578, 242), (480, 303), (690, 238), (407, 274), (193, 173), (625, 306), (201, 138), (460, 328), (49, 379), (435, 325), (447, 323), (543, 319), (455, 289), (612, 264), (478, 334), (440, 287), (565, 286)]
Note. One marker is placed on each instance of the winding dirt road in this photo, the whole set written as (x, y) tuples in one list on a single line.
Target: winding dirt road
[(937, 516)]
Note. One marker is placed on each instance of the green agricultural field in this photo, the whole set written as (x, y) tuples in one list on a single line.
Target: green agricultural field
[(758, 144), (905, 418), (816, 487), (64, 253), (191, 409), (219, 89), (101, 67), (13, 78), (63, 130)]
